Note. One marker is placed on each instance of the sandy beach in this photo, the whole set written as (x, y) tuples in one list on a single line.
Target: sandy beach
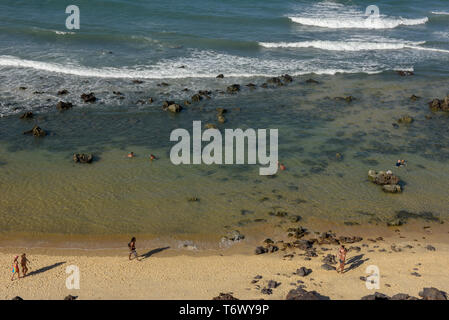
[(406, 265)]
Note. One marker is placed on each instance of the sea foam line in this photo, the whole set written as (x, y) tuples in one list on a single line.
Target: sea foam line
[(344, 22), (202, 65), (343, 45)]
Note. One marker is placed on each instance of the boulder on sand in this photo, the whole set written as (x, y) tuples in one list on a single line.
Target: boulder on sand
[(301, 294), (433, 294)]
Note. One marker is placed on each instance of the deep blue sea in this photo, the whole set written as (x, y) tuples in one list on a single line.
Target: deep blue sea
[(153, 39)]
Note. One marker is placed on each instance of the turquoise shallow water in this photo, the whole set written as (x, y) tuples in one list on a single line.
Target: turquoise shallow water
[(187, 45)]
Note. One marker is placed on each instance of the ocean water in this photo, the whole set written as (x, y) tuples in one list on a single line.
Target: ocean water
[(186, 44)]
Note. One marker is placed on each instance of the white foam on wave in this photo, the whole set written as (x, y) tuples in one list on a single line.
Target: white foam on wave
[(357, 22), (444, 13), (338, 16), (199, 64), (342, 45)]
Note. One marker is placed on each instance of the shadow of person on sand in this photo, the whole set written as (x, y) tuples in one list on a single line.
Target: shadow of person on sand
[(355, 262), (41, 270), (151, 252)]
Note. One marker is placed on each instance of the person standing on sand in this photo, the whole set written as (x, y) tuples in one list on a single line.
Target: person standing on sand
[(132, 249), (23, 263), (15, 268), (342, 258)]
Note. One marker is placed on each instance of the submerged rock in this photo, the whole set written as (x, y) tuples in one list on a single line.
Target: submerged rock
[(88, 97), (405, 73), (27, 115), (439, 105), (388, 181), (233, 88), (36, 131), (220, 76), (175, 108), (83, 158), (405, 119), (64, 105)]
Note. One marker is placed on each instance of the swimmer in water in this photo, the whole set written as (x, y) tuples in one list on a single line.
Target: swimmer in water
[(131, 155), (152, 157)]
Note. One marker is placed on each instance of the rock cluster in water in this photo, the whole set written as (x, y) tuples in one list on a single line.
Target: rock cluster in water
[(388, 181)]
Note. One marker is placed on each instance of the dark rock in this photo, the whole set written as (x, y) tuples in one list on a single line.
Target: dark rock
[(163, 84), (376, 296), (27, 115), (301, 294), (251, 85), (83, 158), (405, 120), (433, 294), (297, 232), (64, 105), (350, 239), (430, 248), (36, 131), (224, 296), (330, 259), (287, 78), (88, 97), (70, 297), (327, 267), (261, 250), (403, 296), (17, 298), (137, 81), (328, 238), (303, 272), (220, 76), (273, 284), (416, 274), (196, 97), (439, 105), (62, 92), (347, 99), (174, 108), (234, 236), (233, 88), (275, 80), (404, 73), (266, 291), (414, 98), (167, 103)]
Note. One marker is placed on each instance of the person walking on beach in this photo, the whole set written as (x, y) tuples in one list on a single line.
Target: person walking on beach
[(23, 263), (132, 249), (15, 268), (341, 258)]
